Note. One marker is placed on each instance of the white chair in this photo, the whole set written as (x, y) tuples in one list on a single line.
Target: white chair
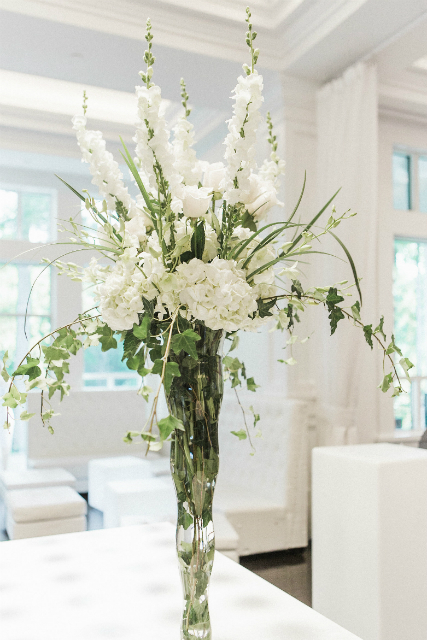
[(265, 496), (45, 511), (101, 471), (34, 479)]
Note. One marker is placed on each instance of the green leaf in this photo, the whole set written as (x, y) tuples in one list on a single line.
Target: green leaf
[(30, 369), (242, 435), (55, 353), (108, 342), (406, 364), (380, 328), (265, 306), (355, 309), (386, 383), (234, 344), (352, 265), (232, 364), (392, 347), (168, 425), (248, 222), (26, 416), (143, 371), (251, 386), (142, 331), (130, 163), (335, 313), (185, 341), (297, 288), (367, 330), (145, 391), (171, 371), (198, 240), (9, 401)]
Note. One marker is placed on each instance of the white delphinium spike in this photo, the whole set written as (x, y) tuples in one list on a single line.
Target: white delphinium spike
[(105, 171), (153, 148), (185, 156)]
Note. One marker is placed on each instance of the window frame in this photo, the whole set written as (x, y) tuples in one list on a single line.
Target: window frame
[(409, 137), (25, 188)]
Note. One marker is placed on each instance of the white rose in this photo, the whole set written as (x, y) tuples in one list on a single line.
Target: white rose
[(136, 227), (214, 175), (262, 197), (195, 202)]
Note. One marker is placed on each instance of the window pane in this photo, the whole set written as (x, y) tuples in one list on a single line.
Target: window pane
[(410, 321), (36, 216), (8, 214), (422, 178), (401, 181)]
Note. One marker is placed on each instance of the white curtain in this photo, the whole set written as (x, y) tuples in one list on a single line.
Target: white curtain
[(347, 370)]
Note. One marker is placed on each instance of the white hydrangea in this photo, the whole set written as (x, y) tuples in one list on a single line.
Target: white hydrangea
[(240, 150), (216, 293), (105, 171), (152, 142)]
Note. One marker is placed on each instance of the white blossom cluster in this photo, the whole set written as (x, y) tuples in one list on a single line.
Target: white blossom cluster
[(241, 139), (186, 163), (105, 171)]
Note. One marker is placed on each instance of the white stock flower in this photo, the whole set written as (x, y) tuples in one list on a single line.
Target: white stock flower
[(195, 201), (216, 293), (185, 157), (136, 231), (214, 176), (105, 171), (261, 198), (240, 149), (270, 170), (152, 140)]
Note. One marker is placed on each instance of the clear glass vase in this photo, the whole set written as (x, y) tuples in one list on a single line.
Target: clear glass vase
[(195, 398)]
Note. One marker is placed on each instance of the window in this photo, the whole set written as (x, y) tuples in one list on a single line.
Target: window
[(410, 326), (105, 370), (410, 181), (26, 214)]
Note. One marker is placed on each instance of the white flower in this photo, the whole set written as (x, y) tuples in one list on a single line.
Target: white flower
[(261, 198), (195, 201), (152, 137), (185, 157), (104, 169), (216, 293), (241, 139), (214, 176), (271, 169), (290, 272), (135, 228)]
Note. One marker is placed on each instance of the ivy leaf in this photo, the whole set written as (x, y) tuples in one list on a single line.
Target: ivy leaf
[(130, 345), (232, 364), (234, 344), (185, 341), (406, 364), (145, 391), (9, 401), (386, 383), (297, 288), (251, 386), (265, 306), (367, 330), (242, 435), (171, 371), (355, 309), (335, 313), (26, 416), (169, 424), (31, 369), (55, 353), (108, 342), (380, 328), (392, 347), (142, 330)]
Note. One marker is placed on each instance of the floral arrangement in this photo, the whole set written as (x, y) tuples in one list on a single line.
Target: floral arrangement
[(192, 246)]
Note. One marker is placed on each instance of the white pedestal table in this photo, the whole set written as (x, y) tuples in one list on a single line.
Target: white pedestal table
[(124, 584)]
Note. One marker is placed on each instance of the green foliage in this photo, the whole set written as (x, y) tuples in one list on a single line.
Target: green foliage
[(335, 313), (248, 222), (241, 434), (13, 398), (185, 341), (367, 332), (386, 383), (232, 366), (393, 348), (198, 240), (297, 289), (171, 371), (380, 328), (26, 416), (142, 331), (264, 307), (355, 309), (30, 369), (251, 386), (168, 425)]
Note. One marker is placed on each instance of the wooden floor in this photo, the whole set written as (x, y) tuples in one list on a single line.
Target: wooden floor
[(287, 570)]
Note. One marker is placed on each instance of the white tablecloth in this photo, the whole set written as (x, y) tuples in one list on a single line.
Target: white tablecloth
[(124, 584)]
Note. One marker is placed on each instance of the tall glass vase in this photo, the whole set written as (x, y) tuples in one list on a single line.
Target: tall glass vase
[(195, 398)]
